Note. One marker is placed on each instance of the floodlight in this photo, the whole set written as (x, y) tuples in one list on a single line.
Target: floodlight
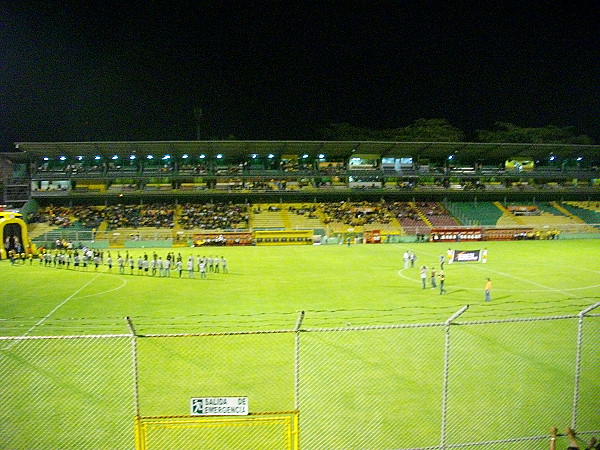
[(62, 158), (271, 156), (149, 156), (97, 157), (115, 157), (185, 156), (219, 156)]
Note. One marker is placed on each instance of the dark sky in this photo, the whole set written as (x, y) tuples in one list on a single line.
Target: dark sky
[(90, 70)]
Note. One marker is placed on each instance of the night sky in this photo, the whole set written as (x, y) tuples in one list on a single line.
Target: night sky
[(77, 71)]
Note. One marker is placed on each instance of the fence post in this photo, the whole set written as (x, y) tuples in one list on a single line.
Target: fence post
[(578, 363), (297, 361), (446, 372), (136, 390)]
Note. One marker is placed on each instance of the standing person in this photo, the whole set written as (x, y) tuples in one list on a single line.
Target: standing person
[(167, 265), (217, 262), (121, 264), (140, 264), (406, 258), (442, 260), (433, 284), (145, 264), (224, 264), (488, 290), (450, 255), (179, 267), (484, 256), (190, 267), (159, 266), (153, 266), (423, 272), (202, 269), (131, 264), (109, 262), (442, 282), (413, 259)]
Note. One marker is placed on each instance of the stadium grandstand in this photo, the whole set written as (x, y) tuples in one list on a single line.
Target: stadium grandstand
[(179, 192)]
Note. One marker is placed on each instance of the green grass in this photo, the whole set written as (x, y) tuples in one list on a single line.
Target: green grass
[(375, 389)]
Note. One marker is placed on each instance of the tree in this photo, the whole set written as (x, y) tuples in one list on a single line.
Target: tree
[(550, 134), (422, 130), (429, 130)]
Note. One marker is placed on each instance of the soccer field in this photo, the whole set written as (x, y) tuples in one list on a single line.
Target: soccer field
[(376, 389)]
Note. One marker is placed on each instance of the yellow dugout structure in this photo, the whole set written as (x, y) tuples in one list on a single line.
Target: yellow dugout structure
[(13, 231)]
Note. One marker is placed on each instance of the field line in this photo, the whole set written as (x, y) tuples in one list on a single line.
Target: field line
[(56, 308), (123, 284), (525, 280)]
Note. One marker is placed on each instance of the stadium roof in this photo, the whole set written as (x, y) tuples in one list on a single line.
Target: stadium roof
[(434, 151)]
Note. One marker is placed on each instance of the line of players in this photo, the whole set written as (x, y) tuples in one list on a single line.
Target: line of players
[(146, 265)]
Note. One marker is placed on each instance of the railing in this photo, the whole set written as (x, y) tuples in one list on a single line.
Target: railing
[(454, 383)]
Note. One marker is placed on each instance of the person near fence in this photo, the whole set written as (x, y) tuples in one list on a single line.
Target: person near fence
[(488, 290), (573, 444)]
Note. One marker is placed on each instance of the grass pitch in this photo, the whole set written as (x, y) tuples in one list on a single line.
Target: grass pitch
[(363, 389)]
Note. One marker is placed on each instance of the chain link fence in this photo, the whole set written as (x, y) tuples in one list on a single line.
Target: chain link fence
[(468, 384)]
